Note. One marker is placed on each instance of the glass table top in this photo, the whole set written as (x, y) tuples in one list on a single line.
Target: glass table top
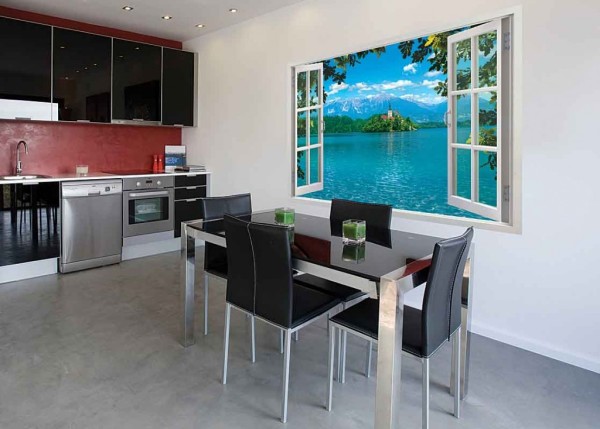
[(319, 240)]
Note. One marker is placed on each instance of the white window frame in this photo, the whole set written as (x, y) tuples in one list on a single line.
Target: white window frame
[(513, 168), (501, 211), (318, 185)]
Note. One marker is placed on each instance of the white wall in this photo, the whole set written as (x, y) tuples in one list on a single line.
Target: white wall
[(538, 290)]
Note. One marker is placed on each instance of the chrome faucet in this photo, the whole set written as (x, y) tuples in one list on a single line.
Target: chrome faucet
[(19, 168)]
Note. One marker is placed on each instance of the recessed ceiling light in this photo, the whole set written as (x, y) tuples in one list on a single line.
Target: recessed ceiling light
[(200, 25), (127, 8), (85, 68), (62, 47), (121, 56), (137, 48), (167, 17), (76, 71), (233, 10), (95, 64)]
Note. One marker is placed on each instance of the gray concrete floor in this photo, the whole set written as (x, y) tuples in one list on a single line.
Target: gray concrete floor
[(98, 349)]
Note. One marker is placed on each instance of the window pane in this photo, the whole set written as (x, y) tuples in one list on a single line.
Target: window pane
[(301, 130), (315, 159), (487, 59), (314, 127), (462, 76), (314, 88), (301, 169), (487, 178), (463, 172), (488, 118), (301, 96), (463, 119)]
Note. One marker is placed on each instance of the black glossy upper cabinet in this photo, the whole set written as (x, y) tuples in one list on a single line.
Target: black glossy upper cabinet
[(81, 78), (179, 76), (136, 82), (25, 64)]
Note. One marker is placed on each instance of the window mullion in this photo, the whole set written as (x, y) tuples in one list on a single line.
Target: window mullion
[(474, 120)]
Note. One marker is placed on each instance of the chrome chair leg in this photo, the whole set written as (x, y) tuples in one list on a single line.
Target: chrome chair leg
[(425, 404), (226, 341), (296, 336), (456, 361), (339, 355), (330, 363), (343, 352), (281, 341), (369, 357), (253, 339), (205, 304), (286, 376)]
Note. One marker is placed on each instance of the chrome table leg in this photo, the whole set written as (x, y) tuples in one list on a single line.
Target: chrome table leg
[(425, 392), (205, 304), (253, 339), (330, 363), (188, 251)]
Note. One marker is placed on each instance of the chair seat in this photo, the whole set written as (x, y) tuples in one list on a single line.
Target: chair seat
[(309, 303), (340, 291), (364, 318), (219, 270)]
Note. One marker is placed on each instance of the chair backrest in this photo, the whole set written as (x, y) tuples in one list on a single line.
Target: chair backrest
[(273, 273), (215, 257), (234, 205), (240, 281), (376, 215), (441, 314)]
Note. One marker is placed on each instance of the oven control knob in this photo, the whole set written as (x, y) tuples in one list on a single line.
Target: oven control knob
[(158, 182), (138, 184)]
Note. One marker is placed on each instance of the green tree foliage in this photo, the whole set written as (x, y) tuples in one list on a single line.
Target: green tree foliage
[(343, 124), (382, 124)]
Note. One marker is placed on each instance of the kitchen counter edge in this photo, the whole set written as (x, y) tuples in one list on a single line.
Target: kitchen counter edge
[(97, 176)]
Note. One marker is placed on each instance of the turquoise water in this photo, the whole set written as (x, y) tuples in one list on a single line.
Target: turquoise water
[(406, 169)]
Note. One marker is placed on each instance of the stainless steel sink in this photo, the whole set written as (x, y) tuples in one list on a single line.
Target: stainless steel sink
[(23, 177)]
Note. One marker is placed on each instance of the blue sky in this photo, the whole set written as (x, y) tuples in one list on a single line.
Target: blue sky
[(388, 74)]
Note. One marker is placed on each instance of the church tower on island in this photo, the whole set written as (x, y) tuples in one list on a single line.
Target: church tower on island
[(390, 114)]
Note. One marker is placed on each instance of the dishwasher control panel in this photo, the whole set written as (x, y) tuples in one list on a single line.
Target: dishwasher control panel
[(91, 188)]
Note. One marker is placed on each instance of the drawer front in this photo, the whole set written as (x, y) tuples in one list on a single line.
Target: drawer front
[(190, 192), (186, 210), (190, 180)]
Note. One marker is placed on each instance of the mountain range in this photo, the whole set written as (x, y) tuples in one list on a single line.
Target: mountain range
[(419, 112)]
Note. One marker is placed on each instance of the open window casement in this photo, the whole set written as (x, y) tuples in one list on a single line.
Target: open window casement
[(308, 129), (479, 120)]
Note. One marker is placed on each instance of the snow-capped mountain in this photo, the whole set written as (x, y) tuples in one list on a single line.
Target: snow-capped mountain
[(367, 107)]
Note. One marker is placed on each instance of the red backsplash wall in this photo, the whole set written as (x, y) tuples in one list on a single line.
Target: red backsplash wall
[(58, 147)]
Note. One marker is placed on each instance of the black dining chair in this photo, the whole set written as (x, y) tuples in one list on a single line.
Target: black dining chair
[(375, 215), (378, 218), (424, 331), (215, 257), (261, 277)]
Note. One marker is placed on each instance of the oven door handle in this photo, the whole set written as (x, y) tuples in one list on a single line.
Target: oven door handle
[(148, 194)]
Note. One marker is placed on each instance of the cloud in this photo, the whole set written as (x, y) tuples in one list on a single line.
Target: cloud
[(410, 68), (433, 73), (431, 84), (392, 85), (334, 88), (425, 99), (361, 86), (432, 56)]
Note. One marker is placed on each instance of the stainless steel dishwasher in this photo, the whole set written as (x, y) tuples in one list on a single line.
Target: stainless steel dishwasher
[(92, 224)]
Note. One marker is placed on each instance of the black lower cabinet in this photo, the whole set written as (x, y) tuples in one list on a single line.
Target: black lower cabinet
[(186, 210), (30, 224)]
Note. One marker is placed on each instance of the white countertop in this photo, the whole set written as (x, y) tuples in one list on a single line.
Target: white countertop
[(92, 176)]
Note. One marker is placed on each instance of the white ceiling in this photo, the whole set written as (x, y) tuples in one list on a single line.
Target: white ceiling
[(146, 16)]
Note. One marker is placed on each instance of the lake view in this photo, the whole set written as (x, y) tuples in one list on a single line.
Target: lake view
[(405, 169)]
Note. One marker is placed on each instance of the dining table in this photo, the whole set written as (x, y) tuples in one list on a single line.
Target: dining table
[(388, 265)]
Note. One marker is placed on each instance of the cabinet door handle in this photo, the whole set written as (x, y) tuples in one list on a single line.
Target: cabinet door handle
[(83, 120), (178, 125), (191, 200), (138, 119), (22, 118)]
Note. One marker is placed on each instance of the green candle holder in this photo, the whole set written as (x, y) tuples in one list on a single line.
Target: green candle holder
[(354, 231), (354, 253), (285, 216)]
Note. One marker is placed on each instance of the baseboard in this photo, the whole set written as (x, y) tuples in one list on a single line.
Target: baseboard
[(28, 270), (581, 361), (150, 249)]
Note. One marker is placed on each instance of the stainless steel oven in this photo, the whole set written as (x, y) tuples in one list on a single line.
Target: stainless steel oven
[(148, 205)]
